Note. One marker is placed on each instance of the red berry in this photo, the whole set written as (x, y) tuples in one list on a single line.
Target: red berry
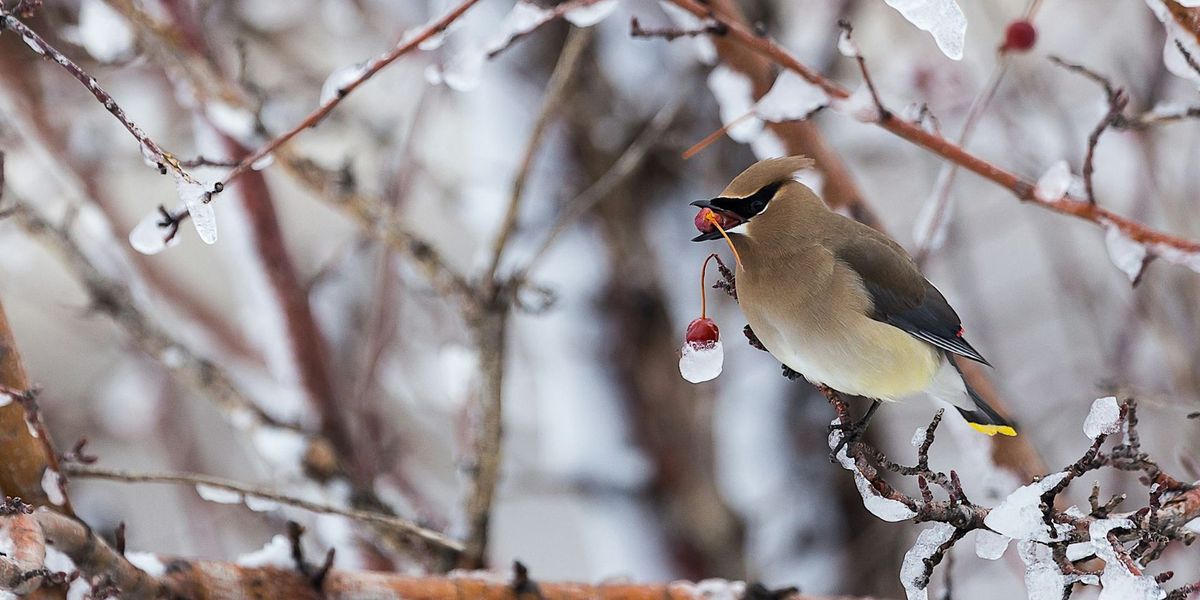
[(1020, 36), (702, 332), (702, 222)]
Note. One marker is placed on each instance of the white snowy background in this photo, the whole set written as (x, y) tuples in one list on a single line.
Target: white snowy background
[(612, 466)]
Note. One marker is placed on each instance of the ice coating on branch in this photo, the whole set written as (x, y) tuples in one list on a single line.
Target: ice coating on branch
[(734, 94), (1053, 184), (147, 562), (1118, 582), (337, 81), (1019, 516), (791, 98), (1126, 254), (846, 45), (912, 570), (859, 105), (590, 14), (193, 194), (524, 17), (885, 508), (149, 236), (52, 486), (918, 437), (1080, 551), (990, 545), (267, 160), (943, 19), (218, 495), (1044, 580), (282, 448), (1177, 35), (276, 553), (1103, 418), (103, 32), (32, 43), (701, 362), (258, 504)]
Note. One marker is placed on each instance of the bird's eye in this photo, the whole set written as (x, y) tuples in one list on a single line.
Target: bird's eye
[(756, 206)]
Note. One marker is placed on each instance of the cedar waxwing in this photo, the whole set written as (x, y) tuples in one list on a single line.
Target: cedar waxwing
[(837, 301)]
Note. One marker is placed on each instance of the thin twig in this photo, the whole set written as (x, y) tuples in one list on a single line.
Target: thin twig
[(405, 526), (620, 170), (1021, 187), (672, 33), (40, 46), (564, 71)]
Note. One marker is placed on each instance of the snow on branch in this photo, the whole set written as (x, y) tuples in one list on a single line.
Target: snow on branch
[(1157, 244)]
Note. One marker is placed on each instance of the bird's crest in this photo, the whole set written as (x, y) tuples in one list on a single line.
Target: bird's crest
[(765, 172)]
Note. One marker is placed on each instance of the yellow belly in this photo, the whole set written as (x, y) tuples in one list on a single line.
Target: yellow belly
[(863, 357)]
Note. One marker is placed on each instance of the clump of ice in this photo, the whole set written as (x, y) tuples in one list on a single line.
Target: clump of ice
[(990, 545), (149, 236), (918, 437), (791, 98), (885, 508), (52, 485), (859, 105), (282, 448), (1103, 418), (912, 570), (267, 160), (1177, 35), (1019, 516), (701, 362), (943, 19), (258, 504), (194, 195), (1044, 580), (846, 45), (590, 14), (276, 553), (735, 99), (147, 562), (1126, 254), (1080, 551), (5, 399), (1053, 184), (1118, 582), (218, 495), (337, 81), (103, 32)]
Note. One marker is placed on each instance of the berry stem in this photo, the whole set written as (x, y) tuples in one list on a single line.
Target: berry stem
[(704, 288), (712, 218)]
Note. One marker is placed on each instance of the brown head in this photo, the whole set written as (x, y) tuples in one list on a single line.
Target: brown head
[(751, 192)]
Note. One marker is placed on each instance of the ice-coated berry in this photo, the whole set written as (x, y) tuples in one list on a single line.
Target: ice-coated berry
[(702, 332)]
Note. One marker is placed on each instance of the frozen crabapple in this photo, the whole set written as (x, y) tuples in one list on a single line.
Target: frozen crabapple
[(1020, 36), (702, 356)]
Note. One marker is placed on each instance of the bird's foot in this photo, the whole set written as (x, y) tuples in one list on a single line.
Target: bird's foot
[(851, 432)]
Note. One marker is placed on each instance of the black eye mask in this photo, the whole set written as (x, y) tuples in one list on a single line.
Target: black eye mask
[(751, 205)]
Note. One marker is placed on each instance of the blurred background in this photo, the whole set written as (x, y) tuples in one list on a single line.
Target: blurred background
[(612, 466)]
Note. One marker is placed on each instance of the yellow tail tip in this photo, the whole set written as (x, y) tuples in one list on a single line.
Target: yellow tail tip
[(993, 429)]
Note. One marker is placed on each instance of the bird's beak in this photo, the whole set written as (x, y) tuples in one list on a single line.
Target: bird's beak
[(714, 234)]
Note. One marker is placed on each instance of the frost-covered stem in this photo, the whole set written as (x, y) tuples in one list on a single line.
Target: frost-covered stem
[(405, 45), (799, 137), (186, 578), (443, 543), (24, 457), (945, 181), (164, 159), (559, 11), (489, 325), (556, 89), (1021, 187)]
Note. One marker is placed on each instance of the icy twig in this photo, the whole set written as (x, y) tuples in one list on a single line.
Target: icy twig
[(1021, 187), (673, 33), (150, 148), (405, 526), (559, 11)]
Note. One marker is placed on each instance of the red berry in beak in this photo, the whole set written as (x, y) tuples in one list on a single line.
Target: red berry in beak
[(702, 332), (1019, 37), (703, 224)]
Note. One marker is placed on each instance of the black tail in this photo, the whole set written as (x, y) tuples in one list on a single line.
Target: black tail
[(984, 418)]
